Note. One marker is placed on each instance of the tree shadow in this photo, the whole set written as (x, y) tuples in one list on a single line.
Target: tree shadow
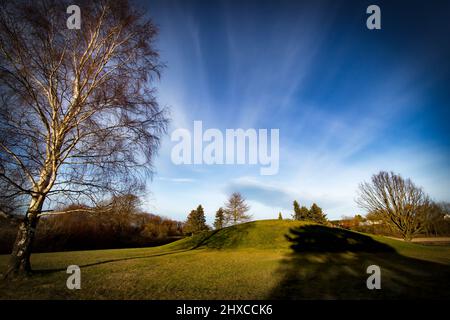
[(227, 238), (331, 263), (204, 239), (47, 271)]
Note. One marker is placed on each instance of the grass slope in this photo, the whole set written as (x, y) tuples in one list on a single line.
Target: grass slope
[(262, 234), (268, 259)]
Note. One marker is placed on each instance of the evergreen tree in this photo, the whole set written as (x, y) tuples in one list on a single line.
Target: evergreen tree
[(219, 223), (280, 217), (304, 213), (316, 214), (300, 213), (235, 209), (196, 221), (296, 210)]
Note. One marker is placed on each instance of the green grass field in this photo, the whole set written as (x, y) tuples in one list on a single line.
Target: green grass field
[(269, 259)]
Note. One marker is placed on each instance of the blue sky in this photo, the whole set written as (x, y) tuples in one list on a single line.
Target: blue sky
[(348, 101)]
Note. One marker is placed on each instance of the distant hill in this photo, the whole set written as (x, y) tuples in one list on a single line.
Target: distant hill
[(261, 234)]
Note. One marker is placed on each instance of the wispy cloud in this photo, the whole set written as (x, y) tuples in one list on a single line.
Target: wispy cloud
[(348, 103), (177, 180), (273, 195)]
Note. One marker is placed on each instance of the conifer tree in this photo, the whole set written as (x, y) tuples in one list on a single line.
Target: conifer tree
[(296, 210), (304, 213), (316, 214), (219, 223), (196, 221), (300, 213)]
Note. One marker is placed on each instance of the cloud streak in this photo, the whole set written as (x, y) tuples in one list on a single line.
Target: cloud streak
[(348, 102)]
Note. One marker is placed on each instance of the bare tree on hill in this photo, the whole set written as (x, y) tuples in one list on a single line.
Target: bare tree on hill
[(236, 209)]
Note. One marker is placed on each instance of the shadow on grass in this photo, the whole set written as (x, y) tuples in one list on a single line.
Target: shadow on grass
[(231, 237), (331, 263), (226, 238), (46, 271)]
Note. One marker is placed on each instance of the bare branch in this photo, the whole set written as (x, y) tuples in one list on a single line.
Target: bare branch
[(397, 201)]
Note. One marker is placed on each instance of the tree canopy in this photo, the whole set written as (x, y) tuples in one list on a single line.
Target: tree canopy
[(397, 201), (236, 209), (196, 221), (78, 116), (219, 221)]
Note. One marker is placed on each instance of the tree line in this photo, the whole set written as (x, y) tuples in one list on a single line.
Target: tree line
[(401, 205), (394, 205), (314, 213), (234, 212), (437, 223), (118, 223)]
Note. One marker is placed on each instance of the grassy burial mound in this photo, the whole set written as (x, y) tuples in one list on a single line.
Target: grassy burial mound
[(270, 259)]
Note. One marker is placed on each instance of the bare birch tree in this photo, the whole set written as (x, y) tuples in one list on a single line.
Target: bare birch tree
[(78, 115), (397, 201)]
